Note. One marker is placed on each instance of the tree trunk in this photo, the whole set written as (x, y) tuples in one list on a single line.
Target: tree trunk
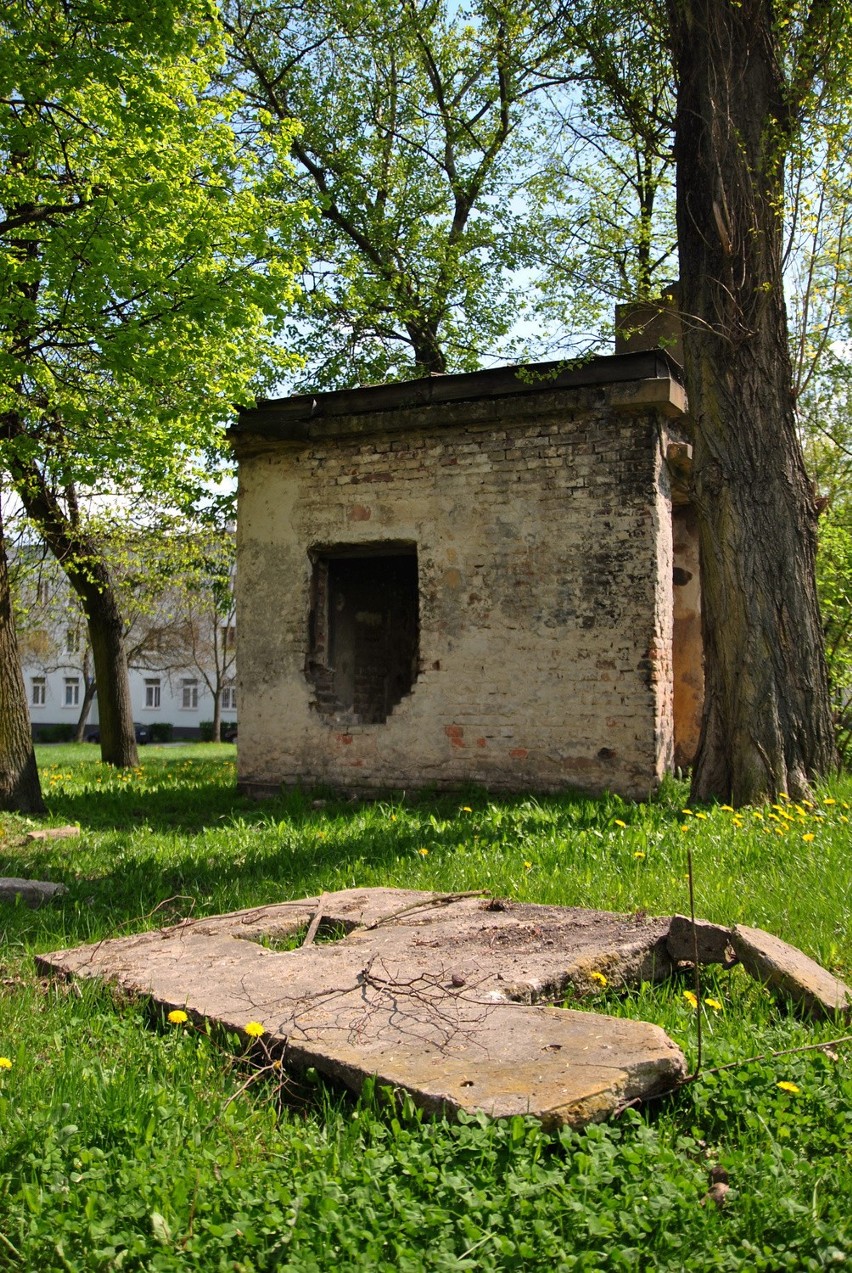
[(217, 715), (20, 789), (93, 585), (89, 691), (88, 574), (767, 723)]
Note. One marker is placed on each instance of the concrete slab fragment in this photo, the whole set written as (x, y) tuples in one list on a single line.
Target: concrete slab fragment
[(712, 940), (428, 992), (788, 971), (54, 833), (33, 893)]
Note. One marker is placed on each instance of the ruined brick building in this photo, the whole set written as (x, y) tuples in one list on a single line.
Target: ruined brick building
[(486, 578)]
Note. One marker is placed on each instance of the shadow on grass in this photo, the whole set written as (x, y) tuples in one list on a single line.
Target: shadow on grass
[(179, 830)]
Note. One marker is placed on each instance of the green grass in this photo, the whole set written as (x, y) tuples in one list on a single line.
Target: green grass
[(129, 1144)]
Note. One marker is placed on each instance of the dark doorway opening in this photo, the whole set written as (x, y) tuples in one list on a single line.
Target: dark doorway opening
[(364, 640)]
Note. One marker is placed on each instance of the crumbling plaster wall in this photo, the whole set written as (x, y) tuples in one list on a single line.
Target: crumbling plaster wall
[(543, 536)]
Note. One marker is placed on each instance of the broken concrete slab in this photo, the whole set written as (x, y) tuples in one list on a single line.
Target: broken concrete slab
[(439, 994), (787, 971), (54, 833), (33, 893), (712, 941), (428, 992)]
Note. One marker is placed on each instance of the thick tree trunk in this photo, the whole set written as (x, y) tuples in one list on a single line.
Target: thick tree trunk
[(20, 789), (89, 576), (93, 585), (767, 724)]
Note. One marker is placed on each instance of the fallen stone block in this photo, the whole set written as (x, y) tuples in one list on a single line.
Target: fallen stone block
[(427, 992), (789, 972), (33, 893), (713, 941), (53, 833)]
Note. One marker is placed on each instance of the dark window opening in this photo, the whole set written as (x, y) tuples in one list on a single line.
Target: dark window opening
[(364, 638)]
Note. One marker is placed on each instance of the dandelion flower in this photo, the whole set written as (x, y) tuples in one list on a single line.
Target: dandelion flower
[(598, 977), (638, 854), (807, 838), (5, 1063), (714, 1004), (466, 808), (254, 1030), (690, 997), (685, 826), (829, 802), (177, 1016), (788, 1087), (726, 808), (423, 852), (528, 866), (688, 812), (701, 815), (619, 823)]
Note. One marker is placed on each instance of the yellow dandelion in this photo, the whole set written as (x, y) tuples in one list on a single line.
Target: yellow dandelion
[(727, 808), (843, 818), (809, 804), (701, 815), (807, 838), (714, 1004), (685, 826), (5, 1063), (755, 813), (619, 823), (598, 977), (177, 1016), (466, 808), (788, 1087), (638, 854), (528, 866), (829, 802), (423, 852), (688, 812), (782, 795), (690, 997), (254, 1030)]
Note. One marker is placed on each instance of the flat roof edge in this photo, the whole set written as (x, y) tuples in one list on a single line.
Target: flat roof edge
[(289, 417)]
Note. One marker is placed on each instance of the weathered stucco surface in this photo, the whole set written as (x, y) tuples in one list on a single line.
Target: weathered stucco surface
[(542, 528)]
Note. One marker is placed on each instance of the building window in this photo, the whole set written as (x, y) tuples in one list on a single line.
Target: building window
[(229, 636), (42, 591), (72, 640), (152, 692), (72, 691), (229, 698), (189, 694), (364, 643), (38, 691)]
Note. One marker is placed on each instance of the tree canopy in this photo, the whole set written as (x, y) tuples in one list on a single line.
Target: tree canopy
[(146, 265)]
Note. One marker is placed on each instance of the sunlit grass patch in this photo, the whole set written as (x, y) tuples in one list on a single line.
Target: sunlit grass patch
[(131, 1142)]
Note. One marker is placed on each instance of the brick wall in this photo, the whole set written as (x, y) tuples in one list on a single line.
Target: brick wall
[(543, 537)]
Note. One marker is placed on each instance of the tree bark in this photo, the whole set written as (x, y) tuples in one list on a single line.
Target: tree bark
[(89, 576), (20, 789), (89, 691), (767, 724), (217, 715)]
